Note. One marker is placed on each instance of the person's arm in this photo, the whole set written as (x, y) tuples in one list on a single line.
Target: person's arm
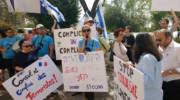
[(1, 47), (175, 21), (51, 47), (18, 68), (174, 71), (147, 66), (53, 26)]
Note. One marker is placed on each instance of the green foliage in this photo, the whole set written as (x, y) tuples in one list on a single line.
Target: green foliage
[(127, 12), (9, 19), (69, 8), (3, 25), (177, 39), (157, 16)]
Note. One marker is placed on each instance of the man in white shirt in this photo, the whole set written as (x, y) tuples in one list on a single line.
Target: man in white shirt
[(171, 65)]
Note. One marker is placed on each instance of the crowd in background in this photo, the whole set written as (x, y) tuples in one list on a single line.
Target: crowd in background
[(156, 54)]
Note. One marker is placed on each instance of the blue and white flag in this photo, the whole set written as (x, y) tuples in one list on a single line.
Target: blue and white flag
[(100, 20), (35, 6), (52, 10)]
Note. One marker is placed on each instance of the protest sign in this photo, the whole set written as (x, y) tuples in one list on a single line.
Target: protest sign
[(66, 41), (84, 72), (129, 82), (36, 81), (165, 5)]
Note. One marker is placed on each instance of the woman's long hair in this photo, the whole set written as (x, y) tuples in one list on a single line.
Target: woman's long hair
[(145, 44)]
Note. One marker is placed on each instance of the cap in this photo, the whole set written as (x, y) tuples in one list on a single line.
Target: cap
[(39, 26), (88, 19)]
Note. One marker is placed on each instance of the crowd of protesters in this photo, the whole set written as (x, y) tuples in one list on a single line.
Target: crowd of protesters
[(156, 55)]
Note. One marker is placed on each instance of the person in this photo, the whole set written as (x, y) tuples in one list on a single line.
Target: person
[(148, 61), (104, 45), (119, 48), (26, 54), (171, 65), (2, 36), (7, 51), (165, 22), (128, 41), (42, 43), (90, 22), (87, 44)]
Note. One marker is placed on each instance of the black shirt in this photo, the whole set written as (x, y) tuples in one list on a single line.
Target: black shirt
[(23, 59)]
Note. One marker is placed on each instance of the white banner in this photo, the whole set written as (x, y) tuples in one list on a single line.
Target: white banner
[(129, 82), (66, 41), (84, 72), (36, 81), (32, 6), (165, 5)]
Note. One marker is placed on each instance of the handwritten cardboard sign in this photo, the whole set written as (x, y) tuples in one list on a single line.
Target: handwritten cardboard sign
[(84, 72), (36, 81), (165, 5), (66, 41), (129, 82)]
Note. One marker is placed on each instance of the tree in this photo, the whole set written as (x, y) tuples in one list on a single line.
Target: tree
[(127, 12), (8, 19), (69, 8)]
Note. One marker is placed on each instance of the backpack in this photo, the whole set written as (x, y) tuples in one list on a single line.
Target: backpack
[(111, 52)]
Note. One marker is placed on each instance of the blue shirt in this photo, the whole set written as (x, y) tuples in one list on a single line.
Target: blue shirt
[(7, 43), (152, 77), (43, 43), (92, 45)]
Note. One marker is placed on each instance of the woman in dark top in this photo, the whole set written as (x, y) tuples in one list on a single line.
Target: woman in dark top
[(25, 56)]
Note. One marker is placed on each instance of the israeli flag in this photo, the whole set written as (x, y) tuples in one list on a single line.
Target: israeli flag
[(100, 20), (35, 6), (45, 5)]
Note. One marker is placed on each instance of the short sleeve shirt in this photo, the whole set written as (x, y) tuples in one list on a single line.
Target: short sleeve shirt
[(91, 45)]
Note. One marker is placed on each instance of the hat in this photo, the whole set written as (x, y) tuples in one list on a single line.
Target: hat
[(39, 26), (88, 19)]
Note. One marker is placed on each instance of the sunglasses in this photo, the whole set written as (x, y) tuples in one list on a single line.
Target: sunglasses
[(86, 30), (27, 46)]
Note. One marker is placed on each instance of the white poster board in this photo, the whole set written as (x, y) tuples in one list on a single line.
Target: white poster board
[(36, 81), (129, 82), (66, 41), (84, 72), (165, 5), (31, 6)]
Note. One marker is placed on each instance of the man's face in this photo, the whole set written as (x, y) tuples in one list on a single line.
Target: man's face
[(162, 40), (163, 24), (10, 33), (121, 36), (40, 31)]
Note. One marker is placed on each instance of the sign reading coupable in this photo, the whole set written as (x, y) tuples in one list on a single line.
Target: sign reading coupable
[(36, 81)]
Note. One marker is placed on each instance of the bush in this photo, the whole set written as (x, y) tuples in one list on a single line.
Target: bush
[(177, 39), (4, 25)]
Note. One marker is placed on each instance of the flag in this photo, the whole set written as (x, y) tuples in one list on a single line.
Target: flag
[(35, 6), (52, 10), (100, 20)]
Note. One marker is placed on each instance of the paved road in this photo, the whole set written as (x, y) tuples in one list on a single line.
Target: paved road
[(98, 96), (68, 96)]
